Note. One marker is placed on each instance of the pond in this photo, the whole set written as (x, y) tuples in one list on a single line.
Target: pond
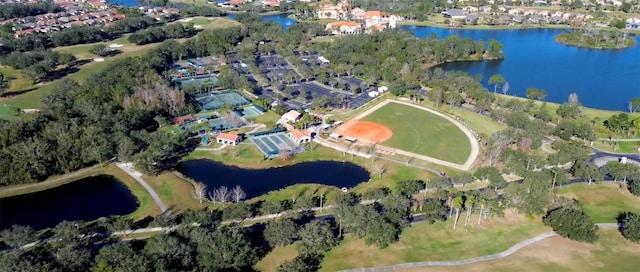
[(604, 79), (282, 19), (86, 199), (256, 182)]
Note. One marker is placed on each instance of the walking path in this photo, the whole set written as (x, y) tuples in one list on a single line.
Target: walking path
[(496, 256), (475, 149), (126, 167)]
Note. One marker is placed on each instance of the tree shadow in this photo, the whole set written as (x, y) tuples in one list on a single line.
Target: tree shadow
[(15, 93)]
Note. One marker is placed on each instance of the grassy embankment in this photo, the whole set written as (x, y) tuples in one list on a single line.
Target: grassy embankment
[(438, 242), (24, 95), (612, 253), (147, 205)]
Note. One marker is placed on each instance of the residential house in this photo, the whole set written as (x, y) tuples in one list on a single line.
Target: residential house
[(519, 19), (471, 9), (228, 138), (344, 27), (471, 18), (453, 14), (183, 120), (357, 14), (536, 19), (632, 23)]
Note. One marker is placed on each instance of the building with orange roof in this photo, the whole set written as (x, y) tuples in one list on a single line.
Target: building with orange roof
[(228, 138), (344, 27), (299, 136)]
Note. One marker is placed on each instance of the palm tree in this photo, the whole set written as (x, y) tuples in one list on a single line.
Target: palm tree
[(450, 196), (469, 205), (457, 204), (483, 204)]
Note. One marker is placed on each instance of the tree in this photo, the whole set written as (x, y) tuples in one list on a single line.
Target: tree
[(382, 233), (587, 171), (409, 187), (200, 190), (634, 104), (491, 174), (463, 179), (535, 93), (630, 226), (236, 211), (438, 183), (237, 194), (17, 236), (281, 232), (495, 49), (496, 80), (380, 168), (457, 205), (572, 223), (226, 249), (4, 83), (483, 205), (468, 205), (316, 237), (434, 210), (121, 257), (302, 263), (505, 88), (221, 194), (530, 196)]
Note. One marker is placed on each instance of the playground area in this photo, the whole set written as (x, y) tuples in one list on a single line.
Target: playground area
[(363, 132), (271, 144), (214, 101)]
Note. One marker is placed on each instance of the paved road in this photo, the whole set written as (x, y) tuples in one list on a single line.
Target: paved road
[(138, 177), (506, 253)]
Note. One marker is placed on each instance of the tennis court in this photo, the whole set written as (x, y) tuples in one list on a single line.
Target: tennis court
[(271, 144), (210, 80), (251, 111), (214, 101)]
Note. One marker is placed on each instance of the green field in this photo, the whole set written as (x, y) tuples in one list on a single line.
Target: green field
[(612, 253), (422, 132), (604, 201)]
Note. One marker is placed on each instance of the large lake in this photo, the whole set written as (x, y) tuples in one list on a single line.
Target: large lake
[(86, 199), (605, 79), (260, 181)]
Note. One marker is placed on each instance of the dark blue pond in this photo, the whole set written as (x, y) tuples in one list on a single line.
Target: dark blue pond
[(260, 181), (86, 199), (605, 79)]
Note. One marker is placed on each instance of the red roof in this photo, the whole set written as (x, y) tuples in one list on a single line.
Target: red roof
[(299, 134), (182, 119), (229, 137)]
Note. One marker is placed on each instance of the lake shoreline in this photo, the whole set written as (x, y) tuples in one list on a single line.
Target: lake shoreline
[(519, 27), (564, 39)]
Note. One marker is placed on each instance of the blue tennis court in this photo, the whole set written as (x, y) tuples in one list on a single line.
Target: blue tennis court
[(251, 111), (271, 144), (214, 101)]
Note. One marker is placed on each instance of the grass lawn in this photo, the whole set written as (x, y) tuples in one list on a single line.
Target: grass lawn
[(422, 132), (147, 205), (276, 257), (612, 253), (16, 81), (176, 193), (623, 147), (422, 242), (482, 124), (604, 201)]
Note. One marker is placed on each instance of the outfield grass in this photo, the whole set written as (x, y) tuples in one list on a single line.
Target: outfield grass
[(422, 132), (612, 253), (604, 201), (484, 125)]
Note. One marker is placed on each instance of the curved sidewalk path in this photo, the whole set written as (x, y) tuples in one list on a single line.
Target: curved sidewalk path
[(475, 149), (138, 177), (502, 254)]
